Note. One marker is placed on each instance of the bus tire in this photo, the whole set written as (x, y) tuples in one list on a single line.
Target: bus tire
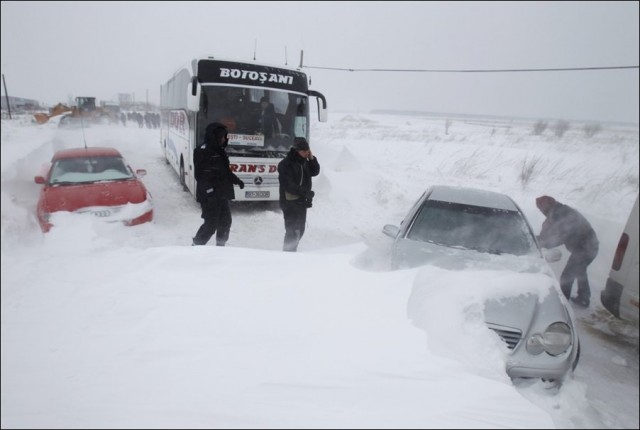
[(164, 150), (183, 181)]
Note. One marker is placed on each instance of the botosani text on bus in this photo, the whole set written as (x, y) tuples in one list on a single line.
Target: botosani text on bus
[(227, 72), (261, 77)]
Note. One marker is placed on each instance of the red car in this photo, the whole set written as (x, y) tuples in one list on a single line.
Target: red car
[(95, 180)]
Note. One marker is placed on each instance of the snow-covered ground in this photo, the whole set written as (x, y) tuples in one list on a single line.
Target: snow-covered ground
[(107, 326)]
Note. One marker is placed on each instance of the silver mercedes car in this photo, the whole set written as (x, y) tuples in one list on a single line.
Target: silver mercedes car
[(458, 228)]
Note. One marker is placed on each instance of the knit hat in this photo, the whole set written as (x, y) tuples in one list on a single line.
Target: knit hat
[(545, 203), (300, 144)]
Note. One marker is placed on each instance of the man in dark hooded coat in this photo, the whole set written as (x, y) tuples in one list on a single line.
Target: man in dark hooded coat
[(214, 186), (295, 172), (566, 226)]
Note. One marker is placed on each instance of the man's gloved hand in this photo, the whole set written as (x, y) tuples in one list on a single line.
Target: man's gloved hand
[(241, 184), (308, 198)]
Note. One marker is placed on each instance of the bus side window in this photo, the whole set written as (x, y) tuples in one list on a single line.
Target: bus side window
[(300, 123), (301, 109)]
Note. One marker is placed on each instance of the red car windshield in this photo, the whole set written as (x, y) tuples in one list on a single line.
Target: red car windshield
[(84, 170)]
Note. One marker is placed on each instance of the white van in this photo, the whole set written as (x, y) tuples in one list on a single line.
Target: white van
[(620, 295)]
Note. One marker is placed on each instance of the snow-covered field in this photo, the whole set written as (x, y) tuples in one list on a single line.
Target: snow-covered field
[(107, 326)]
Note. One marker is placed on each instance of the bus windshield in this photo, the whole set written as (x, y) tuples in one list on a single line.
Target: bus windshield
[(261, 122)]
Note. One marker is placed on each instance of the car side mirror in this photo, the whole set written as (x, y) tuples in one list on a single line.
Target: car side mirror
[(141, 172), (39, 180), (552, 255), (391, 230)]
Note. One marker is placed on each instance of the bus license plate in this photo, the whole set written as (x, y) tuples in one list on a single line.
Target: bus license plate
[(257, 194)]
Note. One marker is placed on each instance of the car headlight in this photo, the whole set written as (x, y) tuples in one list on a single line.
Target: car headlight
[(555, 340), (535, 344)]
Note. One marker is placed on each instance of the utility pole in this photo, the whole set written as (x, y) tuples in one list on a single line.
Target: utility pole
[(6, 94)]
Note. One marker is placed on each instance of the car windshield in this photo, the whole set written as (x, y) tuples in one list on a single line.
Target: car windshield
[(495, 231), (84, 170)]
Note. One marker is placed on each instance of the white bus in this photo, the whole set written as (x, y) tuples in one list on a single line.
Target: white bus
[(230, 92)]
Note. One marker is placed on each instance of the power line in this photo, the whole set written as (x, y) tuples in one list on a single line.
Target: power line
[(566, 69)]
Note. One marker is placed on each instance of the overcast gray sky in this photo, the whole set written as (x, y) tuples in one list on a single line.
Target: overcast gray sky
[(54, 50)]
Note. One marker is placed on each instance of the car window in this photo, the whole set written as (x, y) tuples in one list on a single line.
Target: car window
[(472, 227), (83, 170)]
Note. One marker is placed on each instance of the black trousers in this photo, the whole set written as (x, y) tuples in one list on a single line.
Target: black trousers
[(295, 219), (217, 218), (576, 269)]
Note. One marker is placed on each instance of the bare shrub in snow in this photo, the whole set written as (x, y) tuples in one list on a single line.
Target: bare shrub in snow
[(530, 168), (591, 130), (539, 127), (560, 128)]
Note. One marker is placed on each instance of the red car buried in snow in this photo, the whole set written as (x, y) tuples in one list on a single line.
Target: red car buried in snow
[(94, 180)]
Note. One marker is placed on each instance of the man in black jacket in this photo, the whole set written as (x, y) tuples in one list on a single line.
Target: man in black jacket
[(566, 226), (295, 172), (214, 186)]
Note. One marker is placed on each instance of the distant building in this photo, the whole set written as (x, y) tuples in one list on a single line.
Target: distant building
[(125, 99), (112, 107), (18, 103)]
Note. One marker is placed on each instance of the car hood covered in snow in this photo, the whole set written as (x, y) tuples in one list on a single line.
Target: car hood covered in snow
[(515, 296), (73, 197)]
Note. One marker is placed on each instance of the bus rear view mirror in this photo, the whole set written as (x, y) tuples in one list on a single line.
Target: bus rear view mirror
[(193, 95), (322, 113), (322, 105)]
